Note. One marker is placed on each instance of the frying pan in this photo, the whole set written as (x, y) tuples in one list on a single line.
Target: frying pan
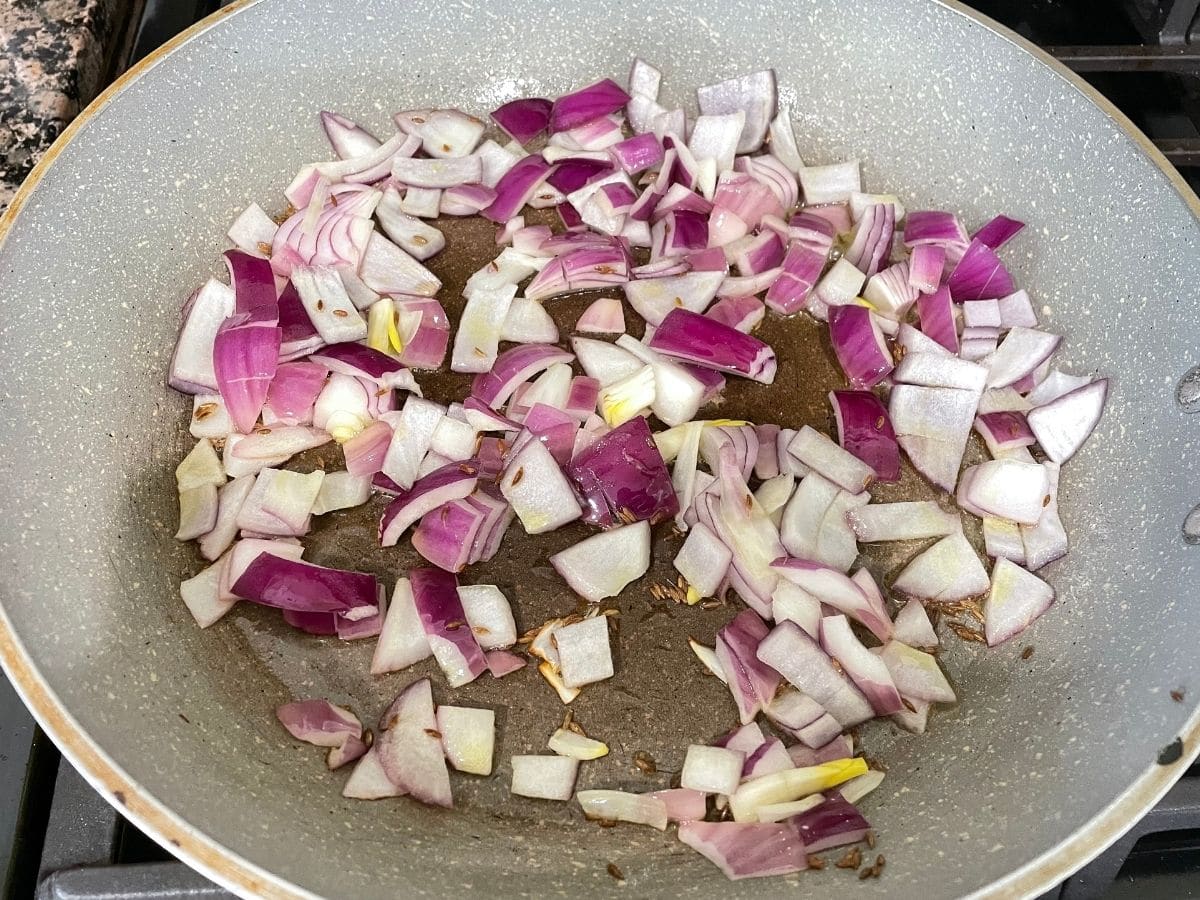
[(1045, 761)]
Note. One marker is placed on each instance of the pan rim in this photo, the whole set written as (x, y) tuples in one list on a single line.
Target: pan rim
[(230, 870)]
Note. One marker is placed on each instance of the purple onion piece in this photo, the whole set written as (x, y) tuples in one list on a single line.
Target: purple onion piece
[(524, 119), (998, 232), (622, 478), (451, 482), (691, 337), (747, 849), (304, 587), (751, 682), (832, 824), (865, 430), (435, 594), (980, 275)]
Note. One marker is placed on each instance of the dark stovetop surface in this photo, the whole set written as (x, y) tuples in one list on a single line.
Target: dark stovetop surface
[(51, 820)]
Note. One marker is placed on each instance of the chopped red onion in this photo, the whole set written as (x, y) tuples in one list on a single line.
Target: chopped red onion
[(933, 227), (622, 478), (752, 683), (867, 672), (410, 749), (435, 596), (516, 187), (860, 346), (908, 521), (979, 275), (1064, 423), (319, 722), (245, 356), (832, 824), (998, 232), (304, 587), (347, 138), (949, 570), (689, 336), (604, 564), (865, 430), (586, 105), (523, 120), (799, 659), (451, 482), (916, 674), (925, 267)]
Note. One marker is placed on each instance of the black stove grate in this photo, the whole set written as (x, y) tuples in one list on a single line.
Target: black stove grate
[(60, 839)]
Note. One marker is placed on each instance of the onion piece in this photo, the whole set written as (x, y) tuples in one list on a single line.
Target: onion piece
[(603, 316), (586, 105), (513, 367), (476, 343), (416, 238), (865, 430), (752, 683), (859, 345), (867, 672), (387, 269), (654, 298), (979, 275), (523, 120), (820, 453), (538, 490), (830, 184), (747, 850), (1016, 599), (912, 520), (347, 139), (754, 95), (488, 614), (543, 777), (576, 746), (584, 654), (1017, 310), (1002, 538), (799, 659), (872, 238), (1022, 351), (409, 747), (1046, 541), (245, 354), (933, 227), (913, 628), (925, 267), (516, 187), (936, 370), (840, 747), (791, 784), (604, 564), (837, 590), (790, 602), (691, 337), (468, 738), (832, 824), (620, 806), (682, 805), (916, 674), (998, 232), (318, 722), (304, 587), (369, 781), (501, 662), (949, 570), (435, 597), (708, 658), (1004, 488), (1062, 425), (713, 770), (202, 594), (936, 313), (622, 478), (450, 482)]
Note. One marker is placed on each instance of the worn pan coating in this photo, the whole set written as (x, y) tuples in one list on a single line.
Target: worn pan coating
[(1046, 760)]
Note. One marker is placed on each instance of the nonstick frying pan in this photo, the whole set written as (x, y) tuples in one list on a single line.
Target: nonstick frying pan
[(1044, 762)]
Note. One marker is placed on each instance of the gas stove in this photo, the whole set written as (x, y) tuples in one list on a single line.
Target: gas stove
[(60, 839)]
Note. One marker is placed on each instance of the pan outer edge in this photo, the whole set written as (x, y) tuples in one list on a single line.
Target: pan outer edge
[(238, 875)]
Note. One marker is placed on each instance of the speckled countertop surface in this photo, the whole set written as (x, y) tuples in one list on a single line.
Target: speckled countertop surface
[(54, 58)]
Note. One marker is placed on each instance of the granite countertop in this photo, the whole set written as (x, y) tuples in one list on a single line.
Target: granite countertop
[(55, 56)]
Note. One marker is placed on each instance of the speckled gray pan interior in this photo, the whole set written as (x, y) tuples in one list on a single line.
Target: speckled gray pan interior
[(178, 722)]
